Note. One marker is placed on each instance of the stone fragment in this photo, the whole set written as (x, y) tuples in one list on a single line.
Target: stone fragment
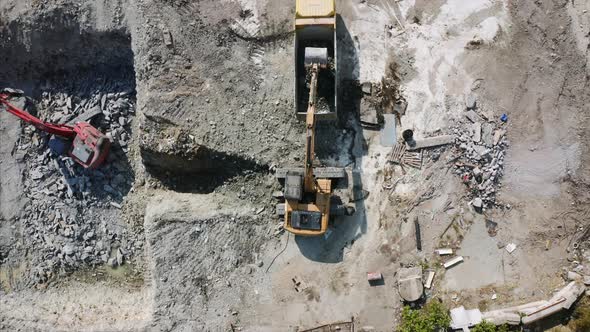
[(477, 203), (498, 134), (477, 132), (472, 116), (68, 249), (470, 101), (573, 276)]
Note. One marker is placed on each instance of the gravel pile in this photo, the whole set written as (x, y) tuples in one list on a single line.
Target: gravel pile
[(482, 143), (73, 218)]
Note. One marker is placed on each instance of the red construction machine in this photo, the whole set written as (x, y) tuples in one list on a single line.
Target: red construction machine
[(84, 143)]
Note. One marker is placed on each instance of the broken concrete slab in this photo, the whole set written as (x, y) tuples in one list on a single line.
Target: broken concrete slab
[(167, 37), (410, 283), (367, 88), (388, 133), (570, 293), (498, 134), (430, 142), (476, 132), (87, 116), (487, 133), (444, 251), (453, 262), (429, 279), (501, 317), (534, 311), (368, 114), (472, 116), (470, 101), (463, 319), (573, 276), (510, 247)]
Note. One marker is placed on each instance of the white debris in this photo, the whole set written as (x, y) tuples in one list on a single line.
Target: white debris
[(444, 251), (463, 319), (510, 247), (429, 279), (453, 261)]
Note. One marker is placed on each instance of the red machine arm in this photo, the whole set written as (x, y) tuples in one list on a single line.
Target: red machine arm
[(55, 129)]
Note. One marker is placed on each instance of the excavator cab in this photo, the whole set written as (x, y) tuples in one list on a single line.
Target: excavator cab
[(90, 147)]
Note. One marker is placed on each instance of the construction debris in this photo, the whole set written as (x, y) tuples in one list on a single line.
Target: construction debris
[(70, 216), (431, 142), (444, 251), (462, 319), (453, 262), (299, 285), (388, 133), (400, 156), (410, 284), (397, 153), (429, 279), (480, 158), (374, 276), (418, 234), (534, 311), (510, 247)]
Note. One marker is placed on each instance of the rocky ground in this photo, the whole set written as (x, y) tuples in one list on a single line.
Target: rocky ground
[(177, 230)]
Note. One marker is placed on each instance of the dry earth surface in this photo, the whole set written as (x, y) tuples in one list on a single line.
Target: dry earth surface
[(177, 231)]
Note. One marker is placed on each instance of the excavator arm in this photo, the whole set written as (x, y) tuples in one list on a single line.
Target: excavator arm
[(309, 183), (61, 130), (89, 147)]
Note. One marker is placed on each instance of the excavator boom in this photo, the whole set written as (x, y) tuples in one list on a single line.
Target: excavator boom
[(310, 131), (61, 130)]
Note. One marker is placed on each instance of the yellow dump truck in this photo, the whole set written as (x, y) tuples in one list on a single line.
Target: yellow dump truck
[(315, 26)]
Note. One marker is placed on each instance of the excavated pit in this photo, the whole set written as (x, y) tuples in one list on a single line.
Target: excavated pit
[(70, 218), (54, 50)]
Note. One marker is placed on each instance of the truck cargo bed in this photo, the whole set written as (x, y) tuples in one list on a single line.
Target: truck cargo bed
[(316, 36)]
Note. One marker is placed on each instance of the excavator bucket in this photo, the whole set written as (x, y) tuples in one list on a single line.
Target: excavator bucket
[(316, 55)]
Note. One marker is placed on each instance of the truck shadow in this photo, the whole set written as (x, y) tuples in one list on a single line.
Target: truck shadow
[(342, 144)]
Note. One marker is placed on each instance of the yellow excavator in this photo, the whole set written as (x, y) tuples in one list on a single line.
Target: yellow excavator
[(308, 190)]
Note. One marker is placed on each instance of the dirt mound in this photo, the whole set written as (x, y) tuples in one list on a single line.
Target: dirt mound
[(201, 258)]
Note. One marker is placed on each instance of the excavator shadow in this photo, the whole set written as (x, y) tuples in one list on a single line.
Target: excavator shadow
[(203, 176), (113, 179), (343, 145)]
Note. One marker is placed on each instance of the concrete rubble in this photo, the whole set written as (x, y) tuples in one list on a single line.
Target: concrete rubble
[(479, 160), (522, 314), (410, 284), (68, 219)]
